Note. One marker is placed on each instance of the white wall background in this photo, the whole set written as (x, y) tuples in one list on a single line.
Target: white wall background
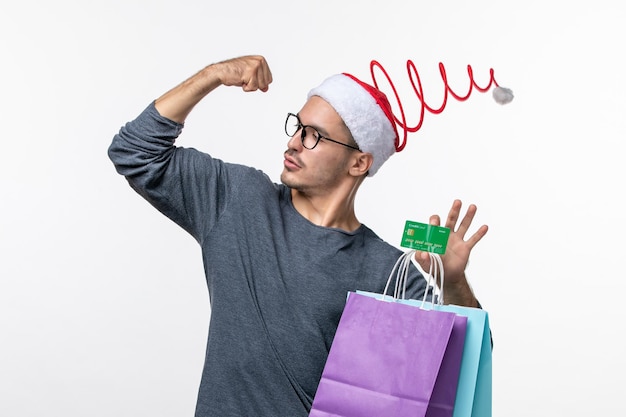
[(103, 305)]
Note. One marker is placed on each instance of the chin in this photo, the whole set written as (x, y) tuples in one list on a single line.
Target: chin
[(286, 179)]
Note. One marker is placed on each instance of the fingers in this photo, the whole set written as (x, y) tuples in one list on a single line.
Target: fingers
[(256, 75), (466, 222), (251, 73), (423, 259), (264, 77), (475, 238), (453, 215)]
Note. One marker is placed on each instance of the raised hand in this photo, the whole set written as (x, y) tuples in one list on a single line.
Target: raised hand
[(456, 287)]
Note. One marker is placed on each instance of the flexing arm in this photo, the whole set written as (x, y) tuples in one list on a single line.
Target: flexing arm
[(249, 72), (180, 182)]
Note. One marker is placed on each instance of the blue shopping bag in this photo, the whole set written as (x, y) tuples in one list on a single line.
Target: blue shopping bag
[(474, 392)]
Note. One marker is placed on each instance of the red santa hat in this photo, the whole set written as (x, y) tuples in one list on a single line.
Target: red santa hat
[(366, 112), (368, 115)]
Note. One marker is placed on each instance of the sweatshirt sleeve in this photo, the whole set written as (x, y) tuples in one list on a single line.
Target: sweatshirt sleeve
[(188, 186), (143, 146)]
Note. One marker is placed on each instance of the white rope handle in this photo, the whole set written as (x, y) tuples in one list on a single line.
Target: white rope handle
[(435, 271), (401, 272), (400, 268), (441, 278)]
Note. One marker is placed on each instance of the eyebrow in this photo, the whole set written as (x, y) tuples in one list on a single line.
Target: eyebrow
[(319, 129)]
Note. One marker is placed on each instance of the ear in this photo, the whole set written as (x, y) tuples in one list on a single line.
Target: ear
[(361, 163)]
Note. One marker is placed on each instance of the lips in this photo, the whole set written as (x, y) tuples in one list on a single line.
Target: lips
[(291, 162)]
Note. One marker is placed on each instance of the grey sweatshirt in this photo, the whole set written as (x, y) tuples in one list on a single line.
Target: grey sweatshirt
[(277, 283)]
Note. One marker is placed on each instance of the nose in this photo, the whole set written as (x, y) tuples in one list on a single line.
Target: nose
[(295, 141)]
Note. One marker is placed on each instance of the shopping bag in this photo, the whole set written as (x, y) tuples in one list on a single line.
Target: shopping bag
[(474, 389), (386, 358), (474, 392)]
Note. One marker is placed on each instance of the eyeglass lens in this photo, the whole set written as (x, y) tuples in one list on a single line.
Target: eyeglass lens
[(309, 135)]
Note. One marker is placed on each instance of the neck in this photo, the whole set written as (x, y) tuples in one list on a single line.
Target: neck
[(328, 210)]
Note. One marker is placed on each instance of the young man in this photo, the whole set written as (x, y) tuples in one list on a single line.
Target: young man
[(277, 294)]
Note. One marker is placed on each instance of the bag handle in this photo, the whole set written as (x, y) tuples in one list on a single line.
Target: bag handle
[(435, 271), (401, 270)]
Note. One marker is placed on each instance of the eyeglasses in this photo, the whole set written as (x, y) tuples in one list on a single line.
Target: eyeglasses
[(309, 135)]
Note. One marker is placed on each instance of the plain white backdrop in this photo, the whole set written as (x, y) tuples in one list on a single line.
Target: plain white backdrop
[(103, 305)]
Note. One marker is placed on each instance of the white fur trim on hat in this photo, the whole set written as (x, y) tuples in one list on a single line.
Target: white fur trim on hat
[(369, 125)]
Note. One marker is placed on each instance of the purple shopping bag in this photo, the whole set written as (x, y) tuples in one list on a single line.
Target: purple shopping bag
[(444, 395), (443, 399), (385, 359)]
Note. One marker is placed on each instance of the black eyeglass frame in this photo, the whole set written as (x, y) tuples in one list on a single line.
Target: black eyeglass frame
[(317, 135)]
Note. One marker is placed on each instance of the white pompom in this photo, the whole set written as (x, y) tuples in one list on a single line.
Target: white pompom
[(502, 95)]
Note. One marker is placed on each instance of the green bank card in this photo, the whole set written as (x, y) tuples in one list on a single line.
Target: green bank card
[(425, 237)]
